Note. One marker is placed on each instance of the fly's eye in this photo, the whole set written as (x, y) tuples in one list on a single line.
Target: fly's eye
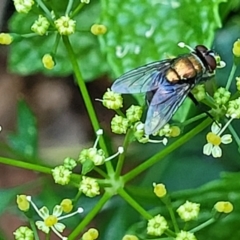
[(211, 61), (201, 49)]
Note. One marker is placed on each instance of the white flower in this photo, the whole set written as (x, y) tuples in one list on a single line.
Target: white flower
[(51, 221), (214, 140)]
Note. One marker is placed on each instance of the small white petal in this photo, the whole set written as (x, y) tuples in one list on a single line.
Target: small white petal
[(226, 139), (41, 226), (59, 227), (215, 128), (99, 132), (44, 212), (57, 211), (216, 152), (120, 150), (207, 149)]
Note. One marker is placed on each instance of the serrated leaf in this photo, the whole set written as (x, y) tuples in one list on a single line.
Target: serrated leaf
[(140, 32), (24, 140), (26, 55)]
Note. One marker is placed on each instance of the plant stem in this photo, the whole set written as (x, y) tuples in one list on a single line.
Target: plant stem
[(86, 97), (134, 204), (46, 10), (231, 75), (106, 196), (77, 9), (122, 156), (235, 135), (203, 225), (25, 165), (194, 119), (69, 7), (33, 227), (159, 156)]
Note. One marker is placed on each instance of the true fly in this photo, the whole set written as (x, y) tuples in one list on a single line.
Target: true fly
[(167, 83)]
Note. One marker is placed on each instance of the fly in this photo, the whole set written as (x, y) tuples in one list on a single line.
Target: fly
[(167, 83)]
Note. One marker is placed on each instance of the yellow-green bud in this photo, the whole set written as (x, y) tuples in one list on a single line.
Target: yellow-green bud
[(223, 207), (48, 61), (5, 39), (66, 205), (236, 48), (98, 29), (23, 203), (159, 190)]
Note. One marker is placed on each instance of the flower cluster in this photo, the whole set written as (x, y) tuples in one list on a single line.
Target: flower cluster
[(189, 211), (49, 221)]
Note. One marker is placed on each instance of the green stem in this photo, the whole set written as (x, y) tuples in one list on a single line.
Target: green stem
[(203, 225), (55, 47), (134, 204), (46, 11), (25, 165), (122, 156), (87, 219), (101, 172), (157, 157), (86, 97), (34, 229), (77, 9), (168, 204), (194, 119), (69, 7), (231, 75), (235, 135)]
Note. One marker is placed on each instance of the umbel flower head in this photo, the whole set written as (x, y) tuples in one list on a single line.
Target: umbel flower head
[(89, 186), (48, 61), (23, 233), (65, 25), (111, 100), (188, 211), (41, 25), (157, 226), (183, 235), (23, 6)]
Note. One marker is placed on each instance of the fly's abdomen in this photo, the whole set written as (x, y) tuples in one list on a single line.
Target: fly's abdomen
[(185, 69)]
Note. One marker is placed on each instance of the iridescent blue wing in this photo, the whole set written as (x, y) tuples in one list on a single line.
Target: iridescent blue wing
[(164, 104), (142, 79)]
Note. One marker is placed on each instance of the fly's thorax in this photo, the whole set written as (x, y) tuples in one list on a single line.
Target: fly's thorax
[(185, 69)]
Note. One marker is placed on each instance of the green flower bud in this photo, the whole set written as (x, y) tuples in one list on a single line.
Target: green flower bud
[(134, 113), (119, 124)]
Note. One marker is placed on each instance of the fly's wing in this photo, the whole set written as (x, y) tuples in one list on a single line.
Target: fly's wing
[(142, 79), (164, 104)]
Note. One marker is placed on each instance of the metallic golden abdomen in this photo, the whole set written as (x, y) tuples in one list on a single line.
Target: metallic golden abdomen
[(185, 68)]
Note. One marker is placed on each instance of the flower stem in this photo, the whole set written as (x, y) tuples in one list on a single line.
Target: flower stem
[(34, 229), (134, 204), (46, 10), (77, 9), (86, 97), (203, 225), (122, 156), (231, 75), (106, 196), (69, 7), (159, 156), (25, 165), (194, 119), (235, 135)]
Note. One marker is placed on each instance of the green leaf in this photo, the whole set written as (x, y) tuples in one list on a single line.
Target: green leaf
[(24, 141), (26, 55), (142, 31), (87, 166)]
